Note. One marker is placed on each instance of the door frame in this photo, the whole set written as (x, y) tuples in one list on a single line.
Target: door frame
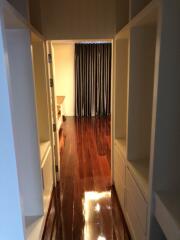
[(109, 40), (53, 112)]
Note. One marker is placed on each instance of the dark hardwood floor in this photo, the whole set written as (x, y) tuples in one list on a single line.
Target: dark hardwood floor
[(87, 204)]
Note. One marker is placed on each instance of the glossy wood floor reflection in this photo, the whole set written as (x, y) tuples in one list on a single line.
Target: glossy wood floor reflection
[(89, 209)]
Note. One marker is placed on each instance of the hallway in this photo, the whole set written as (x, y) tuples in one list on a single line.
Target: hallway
[(89, 206)]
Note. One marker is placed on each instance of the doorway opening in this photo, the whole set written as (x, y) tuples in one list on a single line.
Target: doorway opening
[(82, 76)]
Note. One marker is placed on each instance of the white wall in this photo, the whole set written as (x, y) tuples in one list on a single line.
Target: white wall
[(64, 74)]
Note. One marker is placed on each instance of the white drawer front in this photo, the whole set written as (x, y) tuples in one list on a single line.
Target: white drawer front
[(119, 175), (135, 200), (133, 221), (47, 176)]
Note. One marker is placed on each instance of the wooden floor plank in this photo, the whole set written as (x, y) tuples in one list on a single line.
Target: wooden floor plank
[(89, 209)]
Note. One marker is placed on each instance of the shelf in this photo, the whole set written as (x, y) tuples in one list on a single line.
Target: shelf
[(41, 87), (44, 150), (140, 171), (121, 144), (35, 225), (141, 91), (120, 88), (59, 123), (147, 16), (137, 6), (167, 212), (60, 100), (123, 33)]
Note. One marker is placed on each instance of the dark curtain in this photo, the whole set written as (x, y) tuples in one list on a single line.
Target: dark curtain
[(92, 79)]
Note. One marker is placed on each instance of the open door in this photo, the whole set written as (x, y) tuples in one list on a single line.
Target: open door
[(53, 112)]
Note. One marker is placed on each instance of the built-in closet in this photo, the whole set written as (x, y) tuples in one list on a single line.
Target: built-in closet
[(23, 63), (145, 122), (146, 119)]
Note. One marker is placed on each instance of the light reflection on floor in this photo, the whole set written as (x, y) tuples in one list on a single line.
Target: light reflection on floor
[(97, 212)]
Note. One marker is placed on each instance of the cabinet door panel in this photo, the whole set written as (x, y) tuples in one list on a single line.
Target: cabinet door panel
[(136, 200), (47, 175), (133, 221)]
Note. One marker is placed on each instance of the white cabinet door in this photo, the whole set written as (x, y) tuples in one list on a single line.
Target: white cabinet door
[(47, 177), (135, 208)]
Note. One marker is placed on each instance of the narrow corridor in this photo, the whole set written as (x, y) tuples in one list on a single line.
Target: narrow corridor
[(89, 206)]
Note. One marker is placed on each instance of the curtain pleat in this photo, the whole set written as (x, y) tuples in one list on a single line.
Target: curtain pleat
[(92, 79)]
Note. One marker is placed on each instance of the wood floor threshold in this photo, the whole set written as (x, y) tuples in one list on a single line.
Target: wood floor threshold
[(46, 226)]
